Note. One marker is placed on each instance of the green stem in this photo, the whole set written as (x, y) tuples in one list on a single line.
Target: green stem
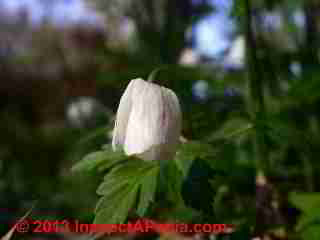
[(153, 74), (256, 92)]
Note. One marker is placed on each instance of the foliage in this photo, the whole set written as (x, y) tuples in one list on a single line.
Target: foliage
[(250, 155)]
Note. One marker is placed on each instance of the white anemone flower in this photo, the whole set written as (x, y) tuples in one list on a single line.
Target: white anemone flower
[(148, 121)]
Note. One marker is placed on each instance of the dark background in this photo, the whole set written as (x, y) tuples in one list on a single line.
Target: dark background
[(256, 103)]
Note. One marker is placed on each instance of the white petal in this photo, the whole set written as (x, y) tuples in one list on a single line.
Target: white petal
[(171, 129), (144, 118), (154, 124), (122, 117)]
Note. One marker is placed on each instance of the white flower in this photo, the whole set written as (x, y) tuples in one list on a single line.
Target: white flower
[(148, 121)]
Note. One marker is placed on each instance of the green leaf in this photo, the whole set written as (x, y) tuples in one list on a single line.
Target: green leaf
[(129, 169), (218, 202), (232, 128), (114, 209), (309, 222), (108, 187), (307, 202), (189, 151), (182, 214), (311, 232), (90, 161), (101, 131), (111, 201), (120, 189), (148, 190), (173, 179), (100, 160)]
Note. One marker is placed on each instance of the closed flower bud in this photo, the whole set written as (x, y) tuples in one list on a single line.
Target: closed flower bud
[(148, 121)]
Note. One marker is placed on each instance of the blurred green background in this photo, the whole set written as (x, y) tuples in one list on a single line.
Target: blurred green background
[(248, 78)]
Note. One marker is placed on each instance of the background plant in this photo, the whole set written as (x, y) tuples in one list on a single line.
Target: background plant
[(252, 142)]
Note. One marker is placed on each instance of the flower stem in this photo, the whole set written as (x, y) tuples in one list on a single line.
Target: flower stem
[(153, 74), (256, 92)]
